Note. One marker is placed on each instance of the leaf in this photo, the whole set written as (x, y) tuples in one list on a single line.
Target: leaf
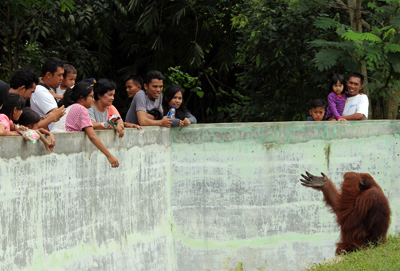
[(326, 58), (389, 34), (395, 22), (196, 55), (351, 35), (370, 37), (325, 23), (258, 60), (47, 30), (72, 18), (357, 36), (392, 48)]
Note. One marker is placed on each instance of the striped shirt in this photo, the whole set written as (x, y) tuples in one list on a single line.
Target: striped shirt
[(336, 105), (77, 119)]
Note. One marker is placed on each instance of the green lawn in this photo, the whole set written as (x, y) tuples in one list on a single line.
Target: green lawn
[(382, 257)]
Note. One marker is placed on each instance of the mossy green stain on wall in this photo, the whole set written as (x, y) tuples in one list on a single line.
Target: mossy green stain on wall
[(327, 153)]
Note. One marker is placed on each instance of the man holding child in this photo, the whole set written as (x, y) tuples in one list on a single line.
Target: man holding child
[(42, 101), (356, 107)]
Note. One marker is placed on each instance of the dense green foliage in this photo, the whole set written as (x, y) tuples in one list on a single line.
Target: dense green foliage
[(253, 60)]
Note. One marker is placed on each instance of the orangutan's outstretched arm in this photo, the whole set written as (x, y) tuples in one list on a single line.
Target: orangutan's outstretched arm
[(331, 195)]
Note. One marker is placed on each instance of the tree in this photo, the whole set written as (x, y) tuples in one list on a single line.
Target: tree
[(195, 35), (17, 17), (369, 45), (278, 73)]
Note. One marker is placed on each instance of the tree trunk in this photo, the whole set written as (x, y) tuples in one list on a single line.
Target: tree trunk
[(391, 103), (355, 22)]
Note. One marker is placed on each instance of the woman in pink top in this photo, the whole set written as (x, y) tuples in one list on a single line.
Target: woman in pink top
[(77, 119), (11, 110)]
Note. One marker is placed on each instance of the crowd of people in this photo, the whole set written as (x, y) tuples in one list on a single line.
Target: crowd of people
[(345, 102), (58, 104)]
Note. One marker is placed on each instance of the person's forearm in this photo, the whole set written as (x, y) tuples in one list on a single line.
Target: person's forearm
[(45, 122), (9, 133), (148, 122), (97, 142), (120, 124), (98, 126), (44, 131), (192, 119), (56, 96), (175, 122), (355, 116), (41, 136)]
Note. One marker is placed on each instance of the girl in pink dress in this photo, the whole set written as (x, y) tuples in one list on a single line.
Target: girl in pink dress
[(11, 110), (77, 100)]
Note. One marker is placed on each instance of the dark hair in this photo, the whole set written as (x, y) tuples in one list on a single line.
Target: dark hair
[(335, 78), (155, 112), (357, 75), (153, 75), (168, 96), (28, 117), (4, 88), (13, 100), (103, 86), (317, 103), (69, 69), (72, 95), (135, 78), (51, 65), (24, 77)]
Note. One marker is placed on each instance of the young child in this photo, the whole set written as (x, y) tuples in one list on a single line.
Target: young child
[(77, 100), (68, 81), (336, 98), (317, 110), (30, 119), (11, 111)]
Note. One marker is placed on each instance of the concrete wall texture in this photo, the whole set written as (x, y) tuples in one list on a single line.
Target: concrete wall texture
[(205, 197)]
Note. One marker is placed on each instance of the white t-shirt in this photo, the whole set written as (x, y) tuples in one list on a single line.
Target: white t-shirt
[(42, 101), (60, 91), (356, 104), (59, 126)]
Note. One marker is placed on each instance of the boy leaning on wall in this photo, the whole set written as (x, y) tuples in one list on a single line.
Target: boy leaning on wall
[(316, 110)]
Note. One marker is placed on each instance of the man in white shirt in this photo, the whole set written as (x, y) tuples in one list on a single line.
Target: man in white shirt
[(356, 107), (42, 101)]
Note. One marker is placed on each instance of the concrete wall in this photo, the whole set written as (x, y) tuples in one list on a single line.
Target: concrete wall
[(206, 197), (237, 200), (70, 210)]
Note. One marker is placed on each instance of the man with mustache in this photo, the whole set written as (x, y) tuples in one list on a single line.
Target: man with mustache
[(42, 101), (356, 107), (149, 100)]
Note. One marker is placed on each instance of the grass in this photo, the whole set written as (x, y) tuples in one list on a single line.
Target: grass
[(382, 257)]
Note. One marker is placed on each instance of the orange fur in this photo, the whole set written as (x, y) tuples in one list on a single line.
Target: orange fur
[(362, 211)]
